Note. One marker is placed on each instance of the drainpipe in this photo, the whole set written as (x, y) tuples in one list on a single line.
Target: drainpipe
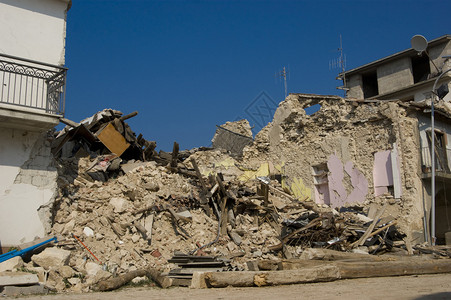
[(434, 95)]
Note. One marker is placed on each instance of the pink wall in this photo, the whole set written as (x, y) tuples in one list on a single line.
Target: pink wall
[(382, 172), (337, 191)]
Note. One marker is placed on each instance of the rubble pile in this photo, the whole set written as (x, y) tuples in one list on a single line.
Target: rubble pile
[(125, 209), (141, 218)]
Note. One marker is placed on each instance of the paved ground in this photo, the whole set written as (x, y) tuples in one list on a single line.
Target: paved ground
[(404, 287)]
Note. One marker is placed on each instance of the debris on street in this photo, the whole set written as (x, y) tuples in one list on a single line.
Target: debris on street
[(126, 211)]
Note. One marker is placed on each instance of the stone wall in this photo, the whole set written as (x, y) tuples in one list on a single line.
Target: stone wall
[(330, 154)]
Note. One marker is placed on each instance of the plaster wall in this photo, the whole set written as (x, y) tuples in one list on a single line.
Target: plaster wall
[(346, 135), (395, 75), (34, 29), (27, 185)]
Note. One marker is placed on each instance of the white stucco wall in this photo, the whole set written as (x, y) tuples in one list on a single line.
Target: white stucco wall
[(34, 29), (27, 184)]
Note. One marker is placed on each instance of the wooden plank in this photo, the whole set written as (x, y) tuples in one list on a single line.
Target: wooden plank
[(328, 255), (117, 282), (69, 122), (266, 278), (204, 191), (265, 193), (161, 280), (199, 176), (393, 268), (224, 216), (112, 139), (131, 115), (363, 238), (312, 223), (175, 154)]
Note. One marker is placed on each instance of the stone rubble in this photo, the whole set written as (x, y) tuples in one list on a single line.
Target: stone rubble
[(140, 212)]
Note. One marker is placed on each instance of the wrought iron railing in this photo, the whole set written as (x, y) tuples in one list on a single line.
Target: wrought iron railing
[(32, 84), (441, 159)]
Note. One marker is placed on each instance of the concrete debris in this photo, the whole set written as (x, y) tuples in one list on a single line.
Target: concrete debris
[(11, 264), (302, 183), (51, 257), (14, 291), (17, 278)]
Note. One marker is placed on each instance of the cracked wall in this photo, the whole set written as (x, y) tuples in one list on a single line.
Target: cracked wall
[(27, 186), (344, 137)]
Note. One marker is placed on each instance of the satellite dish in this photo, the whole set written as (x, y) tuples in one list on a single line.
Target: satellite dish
[(419, 43)]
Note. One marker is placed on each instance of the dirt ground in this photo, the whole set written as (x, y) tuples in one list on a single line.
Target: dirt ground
[(404, 287)]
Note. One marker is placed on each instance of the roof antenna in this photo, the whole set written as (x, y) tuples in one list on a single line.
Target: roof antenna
[(340, 63), (283, 74)]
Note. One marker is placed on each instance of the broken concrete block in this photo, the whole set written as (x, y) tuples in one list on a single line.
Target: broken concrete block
[(135, 238), (12, 291), (18, 278), (40, 271), (99, 276), (66, 271), (130, 166), (139, 279), (88, 231), (119, 204), (257, 253), (11, 264), (74, 280), (235, 237), (51, 257), (151, 186), (185, 214), (92, 268), (68, 227)]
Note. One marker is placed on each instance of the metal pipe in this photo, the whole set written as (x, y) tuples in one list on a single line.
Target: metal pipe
[(434, 94)]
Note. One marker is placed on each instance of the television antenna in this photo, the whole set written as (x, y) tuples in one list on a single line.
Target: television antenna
[(283, 75), (340, 62)]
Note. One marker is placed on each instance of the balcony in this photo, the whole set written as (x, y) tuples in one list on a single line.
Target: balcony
[(441, 162), (32, 93)]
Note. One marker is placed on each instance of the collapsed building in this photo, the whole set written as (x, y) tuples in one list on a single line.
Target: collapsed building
[(347, 177), (352, 176), (348, 153)]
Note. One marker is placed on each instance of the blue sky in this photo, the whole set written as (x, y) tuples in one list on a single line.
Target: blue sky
[(187, 66)]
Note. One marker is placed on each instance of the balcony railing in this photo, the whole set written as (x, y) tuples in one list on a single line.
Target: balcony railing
[(32, 84), (441, 160)]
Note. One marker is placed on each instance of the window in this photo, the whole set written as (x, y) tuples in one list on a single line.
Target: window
[(441, 159), (370, 87), (321, 182), (420, 68)]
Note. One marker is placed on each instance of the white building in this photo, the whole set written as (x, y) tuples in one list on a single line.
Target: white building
[(32, 94)]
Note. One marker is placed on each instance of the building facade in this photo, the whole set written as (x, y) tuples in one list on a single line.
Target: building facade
[(32, 95), (409, 76)]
